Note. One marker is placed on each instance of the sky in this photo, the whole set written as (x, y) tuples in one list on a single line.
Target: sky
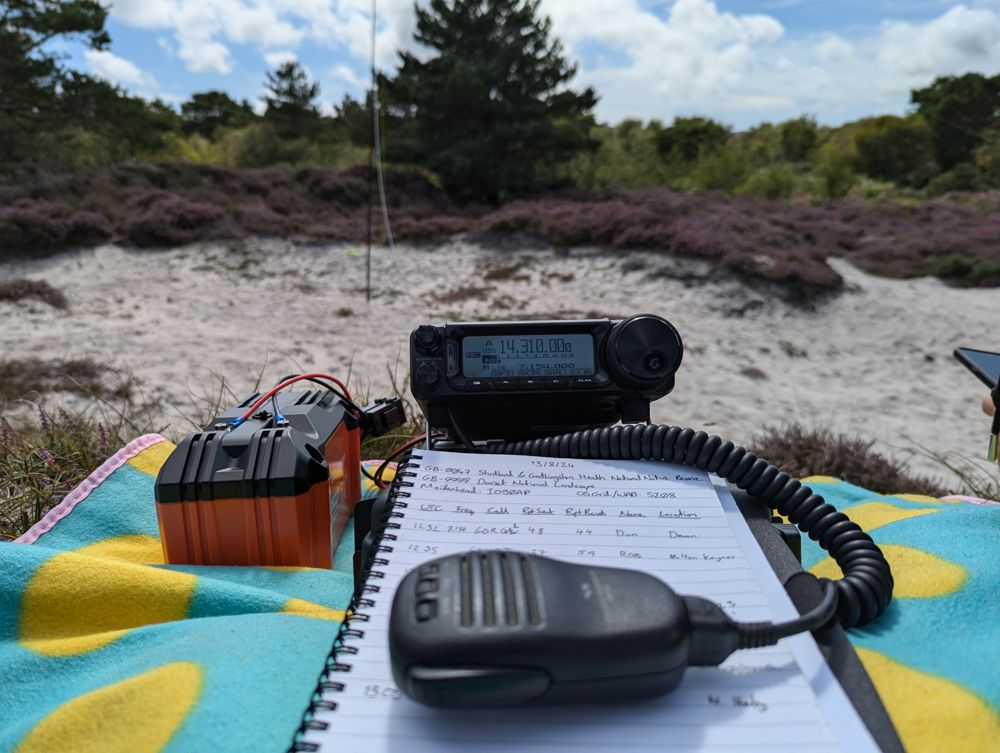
[(742, 62)]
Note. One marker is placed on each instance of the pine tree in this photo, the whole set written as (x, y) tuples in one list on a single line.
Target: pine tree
[(489, 110), (290, 105), (208, 111), (959, 110), (30, 73)]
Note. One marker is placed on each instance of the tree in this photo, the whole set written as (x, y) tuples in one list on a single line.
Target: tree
[(489, 109), (208, 111), (959, 110), (31, 75), (799, 138), (129, 127), (354, 120), (897, 149), (290, 106), (688, 139)]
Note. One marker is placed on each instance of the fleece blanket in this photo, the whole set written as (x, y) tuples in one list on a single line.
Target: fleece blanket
[(105, 648)]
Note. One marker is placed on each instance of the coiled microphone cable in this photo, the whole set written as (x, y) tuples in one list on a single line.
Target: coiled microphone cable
[(866, 588)]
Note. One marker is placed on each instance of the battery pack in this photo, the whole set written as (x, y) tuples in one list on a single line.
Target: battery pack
[(265, 492)]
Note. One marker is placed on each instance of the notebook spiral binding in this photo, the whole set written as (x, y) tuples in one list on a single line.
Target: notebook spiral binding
[(360, 601)]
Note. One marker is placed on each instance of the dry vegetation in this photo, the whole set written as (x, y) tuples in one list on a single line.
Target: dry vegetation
[(44, 456), (44, 209), (19, 378), (22, 289), (802, 452)]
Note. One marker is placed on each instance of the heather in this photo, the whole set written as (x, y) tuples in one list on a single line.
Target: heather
[(780, 244), (800, 451), (21, 289), (21, 378), (44, 458)]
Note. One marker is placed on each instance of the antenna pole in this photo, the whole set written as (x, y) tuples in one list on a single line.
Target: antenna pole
[(371, 168)]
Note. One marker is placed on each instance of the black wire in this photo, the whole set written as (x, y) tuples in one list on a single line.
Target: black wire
[(385, 463), (866, 588), (462, 436), (757, 634), (322, 383), (368, 476)]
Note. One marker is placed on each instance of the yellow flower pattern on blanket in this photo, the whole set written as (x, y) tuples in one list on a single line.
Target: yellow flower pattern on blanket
[(137, 715), (63, 614), (115, 651), (934, 571), (140, 656)]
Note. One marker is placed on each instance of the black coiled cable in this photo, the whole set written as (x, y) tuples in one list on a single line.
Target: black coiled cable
[(866, 588)]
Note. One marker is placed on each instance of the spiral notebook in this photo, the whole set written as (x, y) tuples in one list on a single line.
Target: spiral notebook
[(676, 523)]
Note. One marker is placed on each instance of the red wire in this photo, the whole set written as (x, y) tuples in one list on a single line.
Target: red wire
[(292, 380), (385, 464)]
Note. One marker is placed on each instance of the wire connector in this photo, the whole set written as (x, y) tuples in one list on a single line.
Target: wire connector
[(238, 421), (382, 416)]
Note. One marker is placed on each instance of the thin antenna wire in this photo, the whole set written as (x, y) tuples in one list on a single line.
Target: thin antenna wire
[(371, 177), (378, 143)]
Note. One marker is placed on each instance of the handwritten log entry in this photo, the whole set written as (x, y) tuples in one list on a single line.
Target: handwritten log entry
[(676, 523)]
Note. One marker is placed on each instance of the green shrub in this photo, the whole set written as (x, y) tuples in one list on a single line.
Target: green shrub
[(725, 169), (688, 139), (775, 182), (988, 158), (260, 145), (835, 176), (962, 178), (967, 271), (894, 149), (799, 139)]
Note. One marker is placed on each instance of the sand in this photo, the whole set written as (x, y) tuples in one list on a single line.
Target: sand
[(874, 361)]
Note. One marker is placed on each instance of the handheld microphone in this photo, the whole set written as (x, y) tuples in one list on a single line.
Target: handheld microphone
[(501, 628)]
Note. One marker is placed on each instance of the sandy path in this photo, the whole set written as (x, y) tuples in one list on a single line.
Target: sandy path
[(874, 361)]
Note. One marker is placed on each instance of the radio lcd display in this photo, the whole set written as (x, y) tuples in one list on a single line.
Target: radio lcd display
[(489, 356)]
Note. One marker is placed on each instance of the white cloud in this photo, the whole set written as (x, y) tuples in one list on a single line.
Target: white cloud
[(696, 59), (645, 59), (345, 74), (118, 70), (959, 40), (274, 59), (146, 14), (202, 54)]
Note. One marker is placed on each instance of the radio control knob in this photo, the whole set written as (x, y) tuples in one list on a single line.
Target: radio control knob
[(427, 340), (643, 352), (428, 376)]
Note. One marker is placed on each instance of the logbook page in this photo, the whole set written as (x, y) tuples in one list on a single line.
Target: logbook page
[(676, 523)]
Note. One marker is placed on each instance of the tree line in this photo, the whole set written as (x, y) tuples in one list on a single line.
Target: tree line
[(488, 112)]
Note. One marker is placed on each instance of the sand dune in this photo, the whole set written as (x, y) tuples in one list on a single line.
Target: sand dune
[(875, 361)]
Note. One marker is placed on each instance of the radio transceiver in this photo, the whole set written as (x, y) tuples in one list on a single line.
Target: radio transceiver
[(516, 380)]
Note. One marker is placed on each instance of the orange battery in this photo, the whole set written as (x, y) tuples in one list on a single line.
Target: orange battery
[(264, 492)]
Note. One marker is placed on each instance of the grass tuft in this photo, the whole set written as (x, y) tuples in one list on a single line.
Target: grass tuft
[(44, 457), (21, 377), (801, 452), (22, 288)]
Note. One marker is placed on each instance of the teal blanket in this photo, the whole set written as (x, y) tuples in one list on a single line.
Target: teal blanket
[(105, 648)]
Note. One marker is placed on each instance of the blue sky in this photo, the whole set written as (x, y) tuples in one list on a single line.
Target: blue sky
[(740, 61)]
